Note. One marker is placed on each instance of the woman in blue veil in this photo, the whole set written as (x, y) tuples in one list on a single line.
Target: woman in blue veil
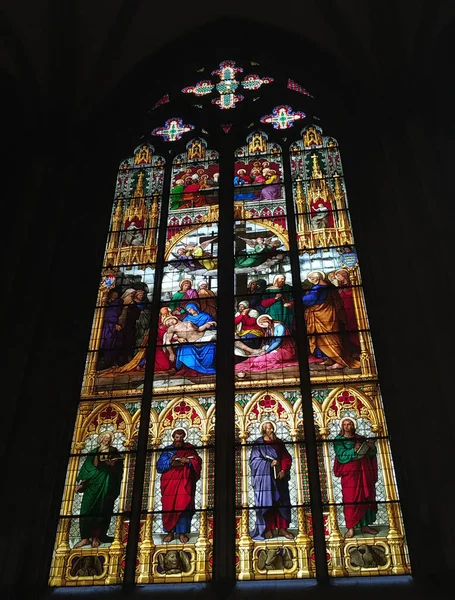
[(199, 357), (196, 315)]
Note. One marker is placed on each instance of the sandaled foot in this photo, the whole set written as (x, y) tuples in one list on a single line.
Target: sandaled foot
[(183, 538), (349, 533), (285, 533), (335, 366), (83, 542), (95, 543), (169, 537), (370, 530), (268, 534)]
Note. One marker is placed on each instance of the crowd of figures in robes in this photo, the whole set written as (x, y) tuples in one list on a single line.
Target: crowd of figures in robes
[(330, 320), (125, 325), (262, 174), (195, 187), (263, 327)]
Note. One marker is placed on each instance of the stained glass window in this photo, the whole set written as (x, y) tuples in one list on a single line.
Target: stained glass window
[(315, 490)]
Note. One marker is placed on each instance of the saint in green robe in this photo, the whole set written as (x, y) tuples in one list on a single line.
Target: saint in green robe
[(275, 307), (101, 488)]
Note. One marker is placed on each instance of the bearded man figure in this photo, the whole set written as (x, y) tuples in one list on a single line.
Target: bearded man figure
[(357, 465), (180, 467), (270, 464)]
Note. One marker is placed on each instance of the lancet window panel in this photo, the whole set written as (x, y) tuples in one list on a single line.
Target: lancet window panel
[(136, 209), (92, 531), (122, 318), (273, 509), (258, 178), (320, 198), (195, 180), (361, 501), (178, 492)]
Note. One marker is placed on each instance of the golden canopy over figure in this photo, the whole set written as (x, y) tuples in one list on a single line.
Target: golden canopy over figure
[(257, 143), (196, 149), (143, 155), (312, 137)]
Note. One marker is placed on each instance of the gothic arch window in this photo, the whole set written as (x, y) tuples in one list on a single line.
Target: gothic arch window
[(230, 423)]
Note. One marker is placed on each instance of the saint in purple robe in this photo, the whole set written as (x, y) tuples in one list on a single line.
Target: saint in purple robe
[(109, 333), (270, 494)]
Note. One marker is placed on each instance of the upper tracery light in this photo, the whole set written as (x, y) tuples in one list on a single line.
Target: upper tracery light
[(227, 85), (173, 129), (283, 117)]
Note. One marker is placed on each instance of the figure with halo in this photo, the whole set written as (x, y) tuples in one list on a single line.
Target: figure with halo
[(270, 465), (325, 321), (100, 479), (356, 463), (180, 467)]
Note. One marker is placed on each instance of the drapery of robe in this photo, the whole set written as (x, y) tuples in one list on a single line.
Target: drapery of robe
[(246, 326), (346, 295), (162, 360), (207, 300), (272, 190), (127, 340), (275, 307), (109, 334), (178, 299), (178, 485), (204, 258), (253, 258), (269, 492), (101, 489), (280, 353), (176, 197), (358, 481), (199, 358), (325, 323)]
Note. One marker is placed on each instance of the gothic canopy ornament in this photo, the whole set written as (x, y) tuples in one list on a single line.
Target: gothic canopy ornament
[(283, 117), (173, 129), (227, 85)]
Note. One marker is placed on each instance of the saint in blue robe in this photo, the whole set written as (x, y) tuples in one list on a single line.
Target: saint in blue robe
[(268, 491)]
